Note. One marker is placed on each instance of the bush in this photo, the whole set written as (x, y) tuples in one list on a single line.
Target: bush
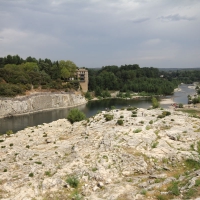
[(108, 117), (155, 102), (131, 108), (120, 122), (72, 181), (31, 175), (151, 122), (180, 105), (133, 115), (75, 115), (9, 132), (88, 96), (38, 162)]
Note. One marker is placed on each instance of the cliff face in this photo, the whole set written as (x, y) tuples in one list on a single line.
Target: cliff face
[(38, 102)]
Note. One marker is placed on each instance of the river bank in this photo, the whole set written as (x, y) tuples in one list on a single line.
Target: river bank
[(39, 102), (136, 160)]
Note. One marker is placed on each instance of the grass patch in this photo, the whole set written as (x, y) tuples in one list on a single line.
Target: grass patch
[(192, 164), (47, 173), (198, 147), (191, 112), (155, 144), (173, 189), (73, 181)]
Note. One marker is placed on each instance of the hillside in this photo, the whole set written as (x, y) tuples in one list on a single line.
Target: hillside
[(153, 154)]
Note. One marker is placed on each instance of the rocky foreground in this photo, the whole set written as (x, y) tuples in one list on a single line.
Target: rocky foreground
[(153, 154)]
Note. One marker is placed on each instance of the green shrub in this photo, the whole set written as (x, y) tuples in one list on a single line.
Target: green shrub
[(121, 116), (166, 113), (47, 173), (160, 116), (137, 130), (5, 170), (120, 122), (197, 182), (148, 127), (1, 140), (112, 107), (155, 144), (9, 132), (151, 122), (75, 115), (88, 95), (72, 181), (133, 115), (38, 162), (31, 174), (155, 102), (180, 105), (131, 108), (108, 117), (11, 144), (143, 192)]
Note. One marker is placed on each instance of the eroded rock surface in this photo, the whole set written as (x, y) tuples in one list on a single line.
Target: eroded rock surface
[(38, 102), (110, 161)]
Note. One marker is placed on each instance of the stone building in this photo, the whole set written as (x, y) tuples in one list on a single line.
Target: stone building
[(82, 76)]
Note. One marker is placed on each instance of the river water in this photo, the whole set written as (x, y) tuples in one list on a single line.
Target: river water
[(90, 109)]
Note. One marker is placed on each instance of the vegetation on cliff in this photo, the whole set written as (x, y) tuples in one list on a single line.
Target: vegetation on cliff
[(18, 75)]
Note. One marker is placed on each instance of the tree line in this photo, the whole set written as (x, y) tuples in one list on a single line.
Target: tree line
[(18, 75), (131, 78)]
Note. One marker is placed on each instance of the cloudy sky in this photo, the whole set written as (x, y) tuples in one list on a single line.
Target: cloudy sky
[(96, 33)]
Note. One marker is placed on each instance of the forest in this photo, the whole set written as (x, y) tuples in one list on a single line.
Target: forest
[(131, 78), (18, 75)]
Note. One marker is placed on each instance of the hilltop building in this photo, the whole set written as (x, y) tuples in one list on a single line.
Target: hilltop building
[(82, 76)]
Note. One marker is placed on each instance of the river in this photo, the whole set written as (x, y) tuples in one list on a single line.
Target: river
[(90, 109)]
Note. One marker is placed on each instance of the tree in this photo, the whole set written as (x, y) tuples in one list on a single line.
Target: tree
[(155, 102), (75, 115), (88, 95), (68, 69)]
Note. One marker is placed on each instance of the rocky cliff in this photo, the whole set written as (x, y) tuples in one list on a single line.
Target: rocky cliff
[(38, 102), (153, 154)]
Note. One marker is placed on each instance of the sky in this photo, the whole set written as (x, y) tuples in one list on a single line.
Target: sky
[(96, 33)]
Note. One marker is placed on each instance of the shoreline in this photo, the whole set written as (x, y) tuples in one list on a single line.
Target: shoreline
[(38, 111)]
